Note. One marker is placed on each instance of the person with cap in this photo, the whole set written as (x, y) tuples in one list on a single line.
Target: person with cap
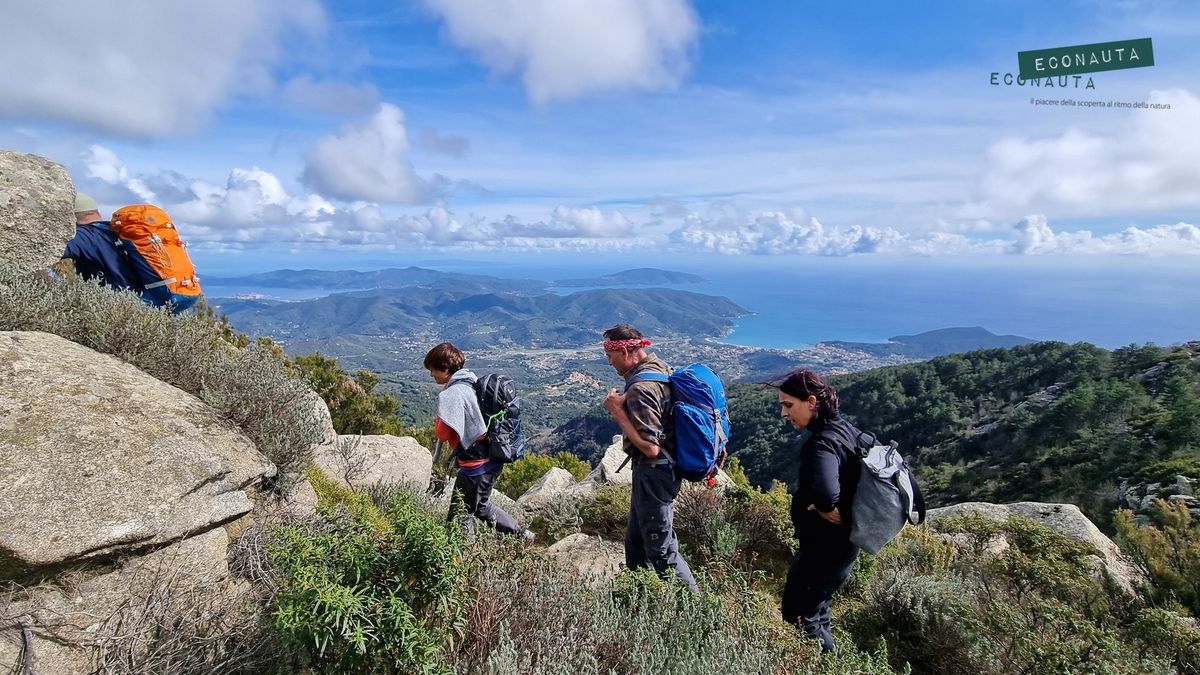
[(643, 413), (96, 250), (829, 473)]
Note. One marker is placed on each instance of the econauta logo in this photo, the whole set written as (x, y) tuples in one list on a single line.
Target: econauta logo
[(1061, 82)]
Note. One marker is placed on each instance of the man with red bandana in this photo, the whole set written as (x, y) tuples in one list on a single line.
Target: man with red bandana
[(644, 414)]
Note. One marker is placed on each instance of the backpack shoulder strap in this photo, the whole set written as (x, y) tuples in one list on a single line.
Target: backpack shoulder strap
[(648, 376)]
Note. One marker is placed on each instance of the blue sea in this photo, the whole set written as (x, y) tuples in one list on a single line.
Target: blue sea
[(798, 301)]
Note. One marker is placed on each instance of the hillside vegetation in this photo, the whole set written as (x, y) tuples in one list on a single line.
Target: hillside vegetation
[(1045, 422), (379, 581)]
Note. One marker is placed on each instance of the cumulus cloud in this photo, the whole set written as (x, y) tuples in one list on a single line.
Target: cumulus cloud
[(563, 49), (367, 160), (1149, 163), (774, 233), (148, 69), (254, 207), (1034, 236)]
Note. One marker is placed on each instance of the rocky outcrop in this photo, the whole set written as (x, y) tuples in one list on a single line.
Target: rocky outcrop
[(37, 198), (607, 470), (550, 486), (1066, 519), (325, 420), (1140, 498), (68, 622), (590, 556), (98, 459), (359, 461)]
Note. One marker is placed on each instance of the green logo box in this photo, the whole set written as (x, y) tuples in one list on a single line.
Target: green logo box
[(1093, 58)]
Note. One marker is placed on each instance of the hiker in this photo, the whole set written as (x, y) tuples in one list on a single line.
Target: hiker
[(829, 472), (458, 418), (644, 414), (96, 251), (139, 248)]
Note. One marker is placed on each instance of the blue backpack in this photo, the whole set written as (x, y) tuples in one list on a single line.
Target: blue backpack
[(700, 416)]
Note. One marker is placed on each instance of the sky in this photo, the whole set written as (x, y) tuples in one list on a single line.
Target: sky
[(321, 134)]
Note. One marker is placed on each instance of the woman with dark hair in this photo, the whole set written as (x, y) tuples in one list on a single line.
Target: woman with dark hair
[(829, 471)]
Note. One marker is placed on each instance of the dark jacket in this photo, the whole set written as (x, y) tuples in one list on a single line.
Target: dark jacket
[(829, 472), (98, 254)]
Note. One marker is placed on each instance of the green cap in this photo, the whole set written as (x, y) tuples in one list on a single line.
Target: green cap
[(84, 203)]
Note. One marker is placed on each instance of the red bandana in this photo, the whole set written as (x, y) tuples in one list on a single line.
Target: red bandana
[(622, 345)]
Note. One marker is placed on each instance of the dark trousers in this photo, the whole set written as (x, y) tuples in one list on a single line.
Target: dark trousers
[(822, 563), (476, 495), (649, 536)]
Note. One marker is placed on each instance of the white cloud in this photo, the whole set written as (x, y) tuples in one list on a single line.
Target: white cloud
[(1033, 236), (253, 208), (145, 68), (367, 160), (1149, 164), (774, 233), (567, 48)]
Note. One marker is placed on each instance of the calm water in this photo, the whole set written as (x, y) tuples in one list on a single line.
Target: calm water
[(798, 301)]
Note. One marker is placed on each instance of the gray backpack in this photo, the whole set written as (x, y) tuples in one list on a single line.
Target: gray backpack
[(887, 496)]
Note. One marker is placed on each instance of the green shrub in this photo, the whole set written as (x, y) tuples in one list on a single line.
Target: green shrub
[(605, 513), (251, 386), (354, 405), (1167, 551), (369, 591), (1036, 605), (531, 616)]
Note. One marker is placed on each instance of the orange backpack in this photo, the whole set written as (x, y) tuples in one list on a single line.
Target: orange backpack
[(159, 255)]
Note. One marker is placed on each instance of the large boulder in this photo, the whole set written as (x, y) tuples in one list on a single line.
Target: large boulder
[(590, 556), (609, 469), (553, 483), (37, 200), (324, 419), (359, 461), (67, 622), (1066, 519), (98, 459)]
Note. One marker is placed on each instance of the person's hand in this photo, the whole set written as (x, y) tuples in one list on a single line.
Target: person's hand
[(833, 516), (614, 402)]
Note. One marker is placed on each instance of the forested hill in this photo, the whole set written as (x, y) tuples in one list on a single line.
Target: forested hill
[(1048, 421)]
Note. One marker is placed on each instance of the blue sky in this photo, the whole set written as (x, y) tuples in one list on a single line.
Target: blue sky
[(344, 131)]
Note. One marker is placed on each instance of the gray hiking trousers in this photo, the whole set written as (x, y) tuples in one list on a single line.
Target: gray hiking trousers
[(476, 495), (649, 536)]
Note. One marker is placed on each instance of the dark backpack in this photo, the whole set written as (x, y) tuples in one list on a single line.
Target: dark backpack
[(700, 418), (501, 408)]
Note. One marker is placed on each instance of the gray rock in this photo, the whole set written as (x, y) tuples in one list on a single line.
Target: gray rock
[(589, 556), (37, 199), (1183, 486), (1067, 520), (69, 620), (99, 459), (321, 411), (607, 470), (555, 482), (376, 459)]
